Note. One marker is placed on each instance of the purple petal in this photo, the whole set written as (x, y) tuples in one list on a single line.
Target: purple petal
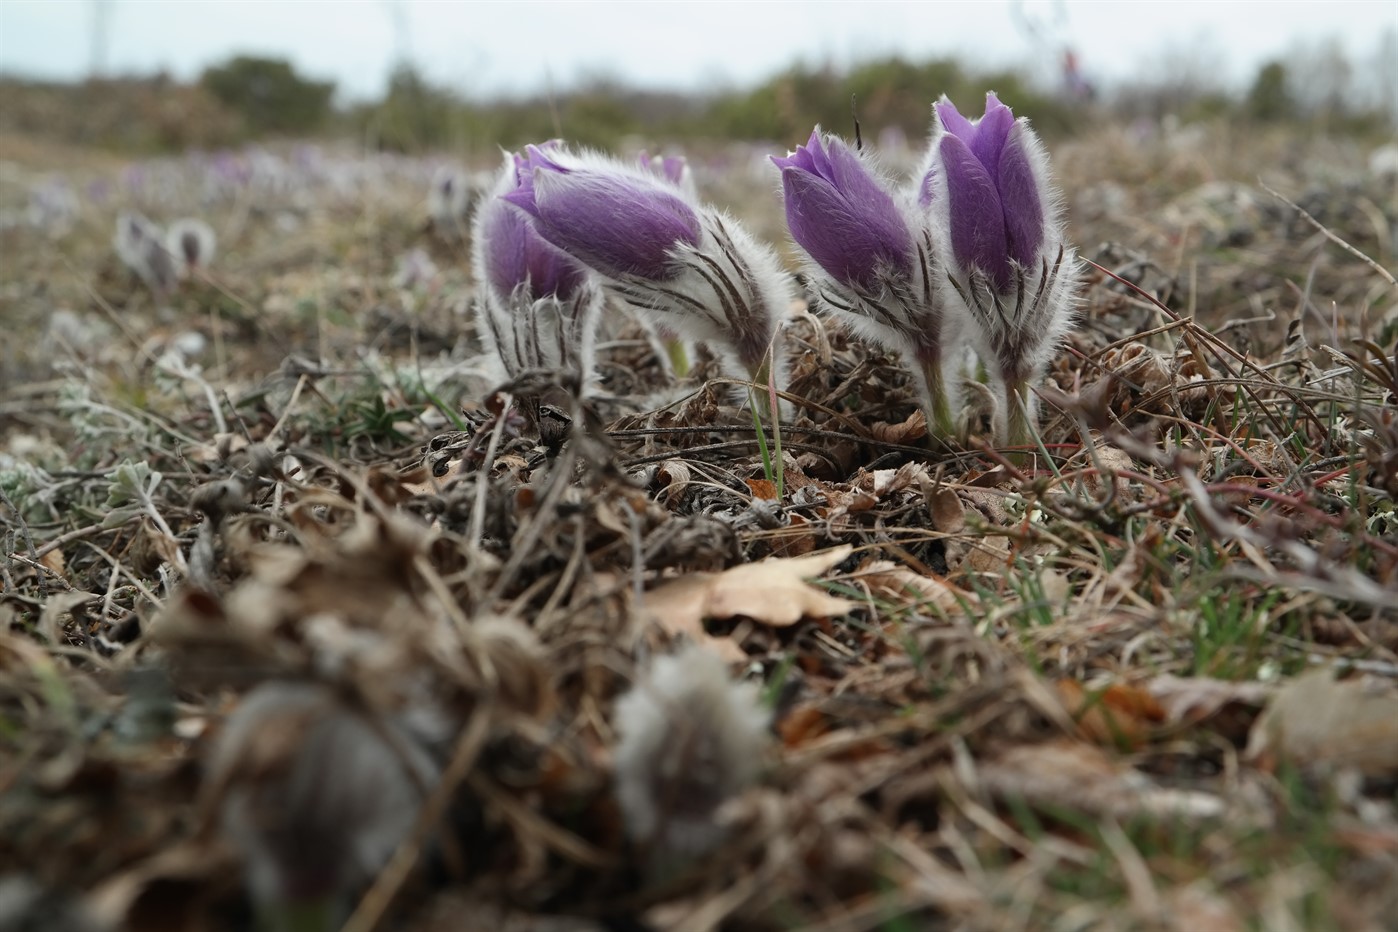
[(1020, 196), (615, 222), (516, 255), (852, 241), (991, 132), (853, 179), (977, 218), (952, 120), (925, 191), (802, 158)]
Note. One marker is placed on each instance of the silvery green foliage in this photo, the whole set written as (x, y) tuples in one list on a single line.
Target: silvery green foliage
[(685, 266), (536, 306), (872, 264), (130, 492), (691, 738), (995, 217), (315, 795)]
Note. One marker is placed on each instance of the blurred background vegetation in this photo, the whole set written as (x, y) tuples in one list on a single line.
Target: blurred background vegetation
[(251, 99)]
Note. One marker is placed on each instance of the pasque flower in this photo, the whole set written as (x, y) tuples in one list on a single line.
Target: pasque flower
[(872, 262), (673, 168), (994, 213), (142, 248), (686, 266), (315, 794), (192, 242), (537, 305), (690, 738)]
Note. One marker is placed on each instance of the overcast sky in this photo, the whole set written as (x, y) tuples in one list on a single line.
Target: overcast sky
[(486, 47)]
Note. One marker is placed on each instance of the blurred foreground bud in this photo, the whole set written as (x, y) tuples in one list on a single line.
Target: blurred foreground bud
[(872, 263), (683, 266), (142, 248), (995, 217), (449, 203), (192, 242), (316, 796), (537, 305), (690, 739)]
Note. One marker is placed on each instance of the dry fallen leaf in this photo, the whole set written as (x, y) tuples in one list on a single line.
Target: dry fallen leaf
[(1190, 700), (1077, 776), (774, 592), (889, 580), (1120, 715), (1315, 721)]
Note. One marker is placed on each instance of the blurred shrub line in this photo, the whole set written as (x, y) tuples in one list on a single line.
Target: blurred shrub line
[(251, 99)]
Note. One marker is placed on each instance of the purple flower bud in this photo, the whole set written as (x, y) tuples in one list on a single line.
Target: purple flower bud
[(620, 223), (839, 213), (986, 192), (192, 242), (141, 247), (449, 202), (996, 205), (512, 252), (673, 168), (537, 307), (873, 265)]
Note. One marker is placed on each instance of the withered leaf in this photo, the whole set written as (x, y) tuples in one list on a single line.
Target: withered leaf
[(774, 592), (1315, 721)]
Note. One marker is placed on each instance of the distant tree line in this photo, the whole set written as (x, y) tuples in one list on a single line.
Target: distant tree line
[(252, 98)]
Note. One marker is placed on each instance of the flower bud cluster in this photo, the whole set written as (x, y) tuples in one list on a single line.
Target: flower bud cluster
[(969, 255), (972, 253)]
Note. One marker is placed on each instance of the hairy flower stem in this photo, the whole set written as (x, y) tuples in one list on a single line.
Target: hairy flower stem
[(941, 420), (679, 357), (1020, 411)]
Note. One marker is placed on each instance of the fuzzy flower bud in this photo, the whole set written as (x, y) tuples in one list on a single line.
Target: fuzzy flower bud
[(681, 265), (537, 305), (450, 200), (619, 223), (142, 248), (690, 739), (674, 169), (314, 794), (872, 262), (192, 242), (994, 214)]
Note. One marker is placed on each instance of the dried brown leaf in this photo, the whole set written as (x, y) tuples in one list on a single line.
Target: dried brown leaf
[(774, 592), (1118, 716), (1316, 721), (1189, 700), (889, 580)]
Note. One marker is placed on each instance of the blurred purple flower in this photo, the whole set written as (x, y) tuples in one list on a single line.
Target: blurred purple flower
[(841, 215), (618, 223), (673, 168)]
